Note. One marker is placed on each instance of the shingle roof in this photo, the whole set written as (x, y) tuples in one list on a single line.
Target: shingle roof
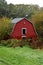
[(16, 20)]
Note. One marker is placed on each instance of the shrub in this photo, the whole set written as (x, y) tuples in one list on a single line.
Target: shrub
[(5, 28), (10, 42), (37, 19), (13, 43), (3, 43)]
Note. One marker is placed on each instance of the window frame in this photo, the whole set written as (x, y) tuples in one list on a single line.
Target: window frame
[(25, 31)]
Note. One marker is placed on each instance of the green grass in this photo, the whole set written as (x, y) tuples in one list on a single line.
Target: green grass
[(21, 56)]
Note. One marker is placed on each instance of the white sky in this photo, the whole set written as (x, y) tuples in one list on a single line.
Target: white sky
[(39, 2)]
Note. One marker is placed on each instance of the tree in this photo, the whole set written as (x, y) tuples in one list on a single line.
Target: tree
[(5, 27), (38, 22), (3, 6)]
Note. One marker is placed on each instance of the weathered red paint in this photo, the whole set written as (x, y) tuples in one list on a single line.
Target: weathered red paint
[(17, 31)]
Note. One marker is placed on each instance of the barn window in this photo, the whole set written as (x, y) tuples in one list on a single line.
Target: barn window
[(23, 30)]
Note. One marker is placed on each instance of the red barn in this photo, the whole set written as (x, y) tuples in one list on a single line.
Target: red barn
[(23, 29)]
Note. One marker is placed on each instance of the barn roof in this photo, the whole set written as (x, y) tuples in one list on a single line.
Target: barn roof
[(16, 20)]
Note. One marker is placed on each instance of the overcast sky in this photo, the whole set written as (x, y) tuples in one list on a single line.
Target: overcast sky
[(39, 2)]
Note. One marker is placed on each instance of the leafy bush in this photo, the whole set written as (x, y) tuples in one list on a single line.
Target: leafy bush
[(39, 39), (3, 43), (5, 28), (13, 43), (37, 19), (10, 42)]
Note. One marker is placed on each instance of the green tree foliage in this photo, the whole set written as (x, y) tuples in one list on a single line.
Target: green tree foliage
[(24, 9), (5, 27), (38, 21), (12, 11), (3, 6)]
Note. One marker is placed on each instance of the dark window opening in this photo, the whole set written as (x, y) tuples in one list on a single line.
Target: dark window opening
[(24, 31)]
